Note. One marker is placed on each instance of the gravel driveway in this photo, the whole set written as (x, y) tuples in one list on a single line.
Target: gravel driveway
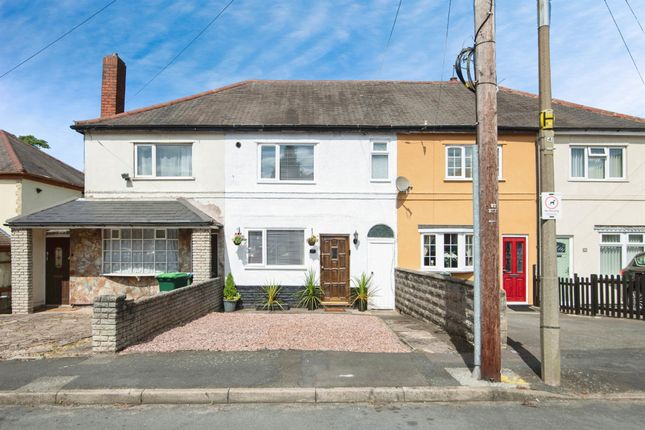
[(262, 331)]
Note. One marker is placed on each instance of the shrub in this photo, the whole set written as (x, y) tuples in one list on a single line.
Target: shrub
[(311, 294), (230, 291)]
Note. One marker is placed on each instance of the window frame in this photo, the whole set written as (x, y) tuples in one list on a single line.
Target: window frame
[(118, 236), (276, 179), (264, 264), (463, 177), (439, 233), (586, 148), (623, 244), (385, 152), (153, 175)]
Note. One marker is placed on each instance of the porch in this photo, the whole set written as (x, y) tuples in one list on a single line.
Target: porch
[(72, 253)]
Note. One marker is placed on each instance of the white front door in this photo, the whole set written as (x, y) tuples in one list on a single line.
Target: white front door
[(380, 264)]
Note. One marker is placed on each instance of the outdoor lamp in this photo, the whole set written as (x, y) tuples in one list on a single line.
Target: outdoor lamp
[(355, 237)]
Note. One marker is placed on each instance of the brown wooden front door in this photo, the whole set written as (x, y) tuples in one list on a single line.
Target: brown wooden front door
[(57, 271), (334, 268)]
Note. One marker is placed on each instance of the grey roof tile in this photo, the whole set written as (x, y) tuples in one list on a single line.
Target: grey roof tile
[(352, 104)]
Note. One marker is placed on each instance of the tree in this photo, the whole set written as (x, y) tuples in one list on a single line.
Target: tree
[(34, 141)]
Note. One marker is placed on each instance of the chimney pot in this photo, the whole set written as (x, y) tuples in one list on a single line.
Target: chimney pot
[(113, 86)]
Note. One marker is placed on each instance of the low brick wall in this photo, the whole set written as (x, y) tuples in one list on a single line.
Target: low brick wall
[(444, 301), (118, 323), (252, 295)]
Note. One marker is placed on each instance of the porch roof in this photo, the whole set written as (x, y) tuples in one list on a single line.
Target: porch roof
[(117, 213), (5, 241)]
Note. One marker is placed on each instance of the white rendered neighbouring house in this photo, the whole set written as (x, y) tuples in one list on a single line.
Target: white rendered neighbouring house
[(168, 187)]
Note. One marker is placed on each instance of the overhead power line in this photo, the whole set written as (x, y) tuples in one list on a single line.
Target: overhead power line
[(624, 42), (443, 61), (57, 39), (389, 38), (212, 21), (635, 16)]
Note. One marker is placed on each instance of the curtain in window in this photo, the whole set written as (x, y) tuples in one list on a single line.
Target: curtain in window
[(610, 260), (297, 162), (615, 162), (174, 160), (597, 167), (137, 252), (577, 162), (379, 166), (285, 247), (254, 247), (144, 160), (267, 162)]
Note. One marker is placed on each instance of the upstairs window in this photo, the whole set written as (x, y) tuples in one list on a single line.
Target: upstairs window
[(380, 161), (163, 160), (459, 162), (286, 162), (597, 163)]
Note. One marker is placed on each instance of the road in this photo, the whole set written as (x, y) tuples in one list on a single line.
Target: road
[(570, 415)]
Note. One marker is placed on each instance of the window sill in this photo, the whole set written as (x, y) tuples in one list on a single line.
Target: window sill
[(618, 180), (467, 180), (450, 271), (381, 181), (249, 267), (287, 182), (164, 178)]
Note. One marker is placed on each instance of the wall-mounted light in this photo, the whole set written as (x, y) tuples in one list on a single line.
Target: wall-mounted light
[(355, 237), (126, 176), (39, 190)]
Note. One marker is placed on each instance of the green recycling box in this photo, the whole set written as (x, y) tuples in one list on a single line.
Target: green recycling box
[(173, 280)]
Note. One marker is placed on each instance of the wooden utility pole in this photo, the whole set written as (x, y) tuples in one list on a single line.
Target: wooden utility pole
[(549, 302), (486, 90)]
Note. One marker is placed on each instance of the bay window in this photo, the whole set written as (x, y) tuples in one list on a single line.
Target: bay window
[(597, 163), (286, 162), (156, 160), (445, 250), (276, 247), (140, 251)]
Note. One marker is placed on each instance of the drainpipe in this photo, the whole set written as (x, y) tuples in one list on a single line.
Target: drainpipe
[(477, 287)]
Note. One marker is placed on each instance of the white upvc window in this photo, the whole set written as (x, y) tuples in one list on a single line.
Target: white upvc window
[(275, 248), (459, 162), (380, 162), (140, 251), (618, 248), (597, 163), (163, 160), (286, 162), (445, 250)]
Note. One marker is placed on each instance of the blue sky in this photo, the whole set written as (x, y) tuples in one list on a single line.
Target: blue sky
[(296, 39)]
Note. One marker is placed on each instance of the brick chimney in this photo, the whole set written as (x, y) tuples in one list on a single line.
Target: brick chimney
[(113, 86)]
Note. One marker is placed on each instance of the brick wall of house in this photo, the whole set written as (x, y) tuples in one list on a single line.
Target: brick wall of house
[(444, 301), (117, 322), (86, 282), (22, 300)]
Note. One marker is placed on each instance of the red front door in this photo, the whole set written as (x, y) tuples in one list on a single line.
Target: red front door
[(514, 266)]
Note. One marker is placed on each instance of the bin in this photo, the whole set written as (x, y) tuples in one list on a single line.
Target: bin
[(172, 281)]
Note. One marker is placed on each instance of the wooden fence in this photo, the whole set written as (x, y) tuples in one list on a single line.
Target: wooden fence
[(612, 296)]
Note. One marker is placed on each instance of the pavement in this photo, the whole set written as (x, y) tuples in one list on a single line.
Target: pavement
[(602, 358)]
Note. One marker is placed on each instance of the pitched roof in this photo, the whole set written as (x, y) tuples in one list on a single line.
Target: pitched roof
[(351, 105), (20, 159), (101, 213), (5, 240)]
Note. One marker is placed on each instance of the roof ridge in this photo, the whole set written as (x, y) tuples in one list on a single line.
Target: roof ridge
[(12, 153), (577, 105), (164, 104)]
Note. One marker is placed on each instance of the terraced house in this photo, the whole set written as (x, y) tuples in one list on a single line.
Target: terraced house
[(268, 179)]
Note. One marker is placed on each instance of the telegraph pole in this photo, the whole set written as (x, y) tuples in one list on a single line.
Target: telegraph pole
[(486, 90), (549, 302)]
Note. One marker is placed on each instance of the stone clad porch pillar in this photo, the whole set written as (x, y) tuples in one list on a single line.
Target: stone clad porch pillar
[(201, 254), (22, 264)]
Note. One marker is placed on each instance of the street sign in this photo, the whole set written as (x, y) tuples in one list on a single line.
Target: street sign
[(551, 205)]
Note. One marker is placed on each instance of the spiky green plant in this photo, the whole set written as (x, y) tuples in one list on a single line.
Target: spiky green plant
[(362, 291), (311, 294), (271, 297), (230, 290)]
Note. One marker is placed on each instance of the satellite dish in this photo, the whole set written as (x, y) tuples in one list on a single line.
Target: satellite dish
[(403, 184)]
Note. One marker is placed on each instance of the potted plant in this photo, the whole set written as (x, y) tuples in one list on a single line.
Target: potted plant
[(312, 240), (271, 300), (231, 295), (362, 291), (311, 294), (238, 239)]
